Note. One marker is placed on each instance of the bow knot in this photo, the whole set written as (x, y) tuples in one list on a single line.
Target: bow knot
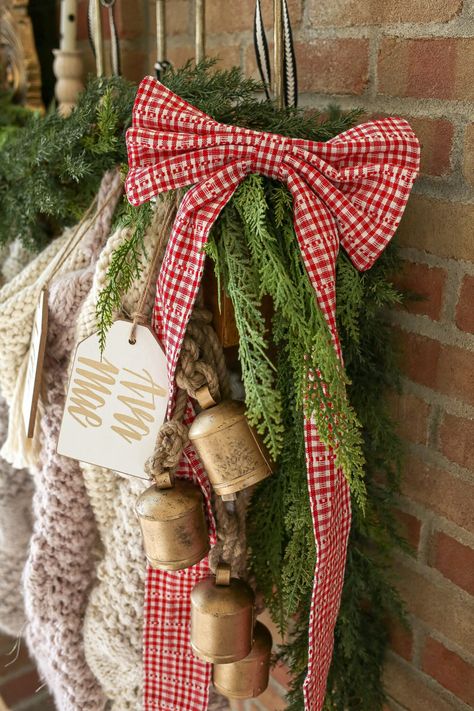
[(352, 188), (352, 191)]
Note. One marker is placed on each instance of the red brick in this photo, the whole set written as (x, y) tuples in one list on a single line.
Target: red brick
[(228, 55), (438, 226), (427, 283), (408, 688), (411, 417), (333, 66), (13, 661), (468, 167), (454, 560), (455, 375), (179, 20), (465, 306), (401, 640), (448, 369), (436, 140), (456, 440), (82, 31), (348, 13), (438, 605), (427, 67), (231, 16), (20, 688), (136, 64), (449, 670), (410, 528), (281, 673), (445, 494), (419, 357), (272, 700), (131, 20)]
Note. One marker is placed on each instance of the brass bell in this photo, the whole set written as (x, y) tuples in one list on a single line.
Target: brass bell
[(222, 618), (248, 677), (173, 524), (232, 453)]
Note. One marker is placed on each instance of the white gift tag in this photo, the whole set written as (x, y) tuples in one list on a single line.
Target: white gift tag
[(116, 403), (34, 369)]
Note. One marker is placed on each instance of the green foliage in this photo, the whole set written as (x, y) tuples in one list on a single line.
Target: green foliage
[(12, 116), (235, 266), (125, 267), (51, 169), (254, 250), (230, 98), (369, 598), (263, 219)]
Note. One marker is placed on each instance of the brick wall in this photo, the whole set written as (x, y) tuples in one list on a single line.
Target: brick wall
[(413, 58)]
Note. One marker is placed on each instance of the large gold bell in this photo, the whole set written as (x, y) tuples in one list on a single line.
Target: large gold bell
[(222, 618), (233, 455), (248, 677), (173, 525)]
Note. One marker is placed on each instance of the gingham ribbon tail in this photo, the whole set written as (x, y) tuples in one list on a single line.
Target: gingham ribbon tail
[(351, 190)]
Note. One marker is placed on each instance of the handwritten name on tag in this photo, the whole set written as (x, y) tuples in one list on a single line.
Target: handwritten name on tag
[(34, 369), (115, 403)]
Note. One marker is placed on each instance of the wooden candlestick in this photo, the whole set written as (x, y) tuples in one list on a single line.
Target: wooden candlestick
[(68, 69), (68, 25)]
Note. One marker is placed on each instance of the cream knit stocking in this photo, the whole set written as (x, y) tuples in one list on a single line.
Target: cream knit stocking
[(113, 624), (114, 617), (16, 491), (60, 567)]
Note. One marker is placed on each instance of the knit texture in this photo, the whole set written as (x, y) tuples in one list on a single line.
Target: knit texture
[(114, 617), (113, 624), (16, 491), (60, 566)]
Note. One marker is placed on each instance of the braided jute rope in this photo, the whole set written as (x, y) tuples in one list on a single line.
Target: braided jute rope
[(202, 363)]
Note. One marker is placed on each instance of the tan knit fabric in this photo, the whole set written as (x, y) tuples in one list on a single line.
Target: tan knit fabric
[(59, 570), (18, 301), (16, 491), (113, 624)]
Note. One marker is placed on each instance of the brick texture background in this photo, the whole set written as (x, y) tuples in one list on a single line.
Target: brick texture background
[(412, 58)]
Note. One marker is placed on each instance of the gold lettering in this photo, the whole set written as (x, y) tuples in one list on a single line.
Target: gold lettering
[(86, 398), (133, 426)]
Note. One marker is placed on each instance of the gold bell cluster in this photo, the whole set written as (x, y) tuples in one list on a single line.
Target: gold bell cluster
[(224, 632), (175, 536)]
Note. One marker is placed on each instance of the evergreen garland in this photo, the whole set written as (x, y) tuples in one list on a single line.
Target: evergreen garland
[(280, 530), (49, 171)]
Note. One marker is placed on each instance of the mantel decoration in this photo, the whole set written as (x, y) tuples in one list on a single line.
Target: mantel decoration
[(350, 190), (287, 205)]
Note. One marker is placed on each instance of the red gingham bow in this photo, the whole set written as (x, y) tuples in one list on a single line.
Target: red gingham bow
[(351, 190)]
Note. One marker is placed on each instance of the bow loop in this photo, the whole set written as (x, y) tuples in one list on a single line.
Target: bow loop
[(352, 191), (362, 176)]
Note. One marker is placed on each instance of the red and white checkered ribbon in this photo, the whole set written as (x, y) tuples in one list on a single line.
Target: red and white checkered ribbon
[(352, 191)]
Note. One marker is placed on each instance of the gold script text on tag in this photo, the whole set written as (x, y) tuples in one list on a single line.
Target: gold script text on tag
[(90, 390)]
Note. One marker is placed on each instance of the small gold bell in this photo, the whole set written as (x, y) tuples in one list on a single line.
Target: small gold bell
[(173, 524), (233, 455), (222, 618), (248, 677)]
